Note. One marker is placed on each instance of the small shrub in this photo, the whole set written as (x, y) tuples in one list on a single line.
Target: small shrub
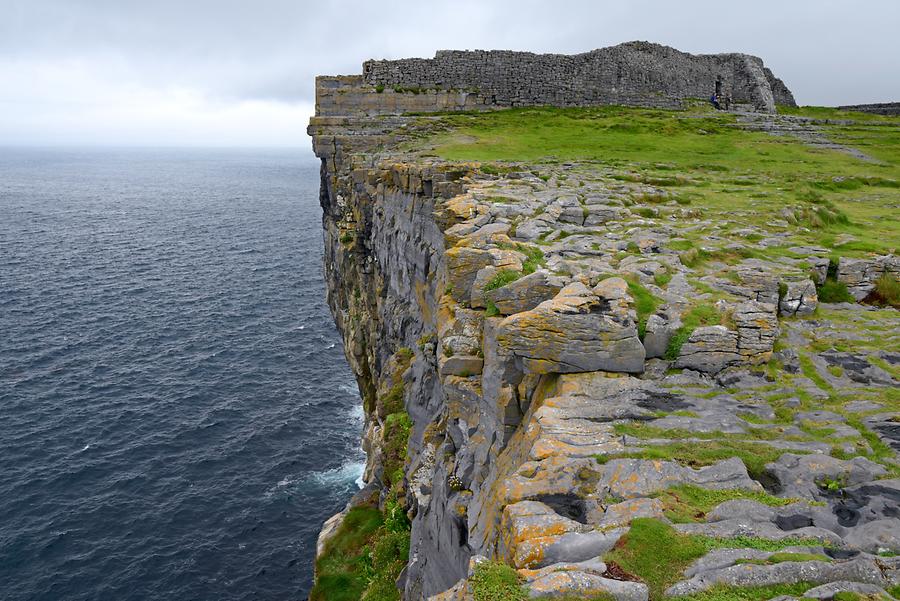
[(379, 88)]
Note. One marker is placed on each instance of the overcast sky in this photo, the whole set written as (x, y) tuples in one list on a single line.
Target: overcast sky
[(240, 72)]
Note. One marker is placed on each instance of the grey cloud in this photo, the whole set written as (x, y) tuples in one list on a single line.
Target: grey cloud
[(235, 50)]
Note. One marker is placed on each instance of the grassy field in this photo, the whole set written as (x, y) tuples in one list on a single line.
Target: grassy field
[(738, 178)]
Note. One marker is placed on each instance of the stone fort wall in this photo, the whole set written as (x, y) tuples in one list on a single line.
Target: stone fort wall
[(635, 73)]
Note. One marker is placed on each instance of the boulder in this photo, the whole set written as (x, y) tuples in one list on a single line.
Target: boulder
[(482, 278), (758, 282), (460, 365), (657, 335), (799, 299), (583, 580), (709, 349), (463, 264), (525, 293), (876, 536), (573, 332)]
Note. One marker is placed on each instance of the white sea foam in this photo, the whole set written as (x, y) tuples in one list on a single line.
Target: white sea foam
[(350, 471)]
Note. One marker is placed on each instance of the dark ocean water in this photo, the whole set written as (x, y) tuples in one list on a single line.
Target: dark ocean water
[(176, 414)]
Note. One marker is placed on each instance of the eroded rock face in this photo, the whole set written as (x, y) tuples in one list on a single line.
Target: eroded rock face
[(542, 430)]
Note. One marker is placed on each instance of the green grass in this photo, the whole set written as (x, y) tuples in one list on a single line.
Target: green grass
[(654, 552), (494, 581), (756, 593), (645, 304), (887, 291), (501, 279), (534, 256), (657, 554), (341, 573), (702, 453), (827, 112), (688, 503), (392, 400), (724, 172), (386, 558), (693, 318), (808, 369), (397, 427), (626, 135), (759, 544), (833, 291)]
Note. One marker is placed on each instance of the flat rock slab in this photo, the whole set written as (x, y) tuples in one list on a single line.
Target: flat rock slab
[(629, 478)]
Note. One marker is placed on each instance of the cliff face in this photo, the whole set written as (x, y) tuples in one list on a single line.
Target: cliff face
[(506, 313)]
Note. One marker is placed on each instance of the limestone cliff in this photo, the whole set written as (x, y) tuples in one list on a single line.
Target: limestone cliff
[(504, 311)]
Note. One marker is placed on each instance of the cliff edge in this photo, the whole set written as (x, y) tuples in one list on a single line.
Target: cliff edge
[(611, 352)]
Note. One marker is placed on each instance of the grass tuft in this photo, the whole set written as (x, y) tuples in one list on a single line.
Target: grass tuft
[(886, 292), (695, 317), (494, 581), (688, 503), (645, 304), (502, 278)]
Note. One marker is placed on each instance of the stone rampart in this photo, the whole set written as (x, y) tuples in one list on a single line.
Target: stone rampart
[(635, 74)]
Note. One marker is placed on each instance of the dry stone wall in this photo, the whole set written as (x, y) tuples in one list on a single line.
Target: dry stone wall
[(635, 73)]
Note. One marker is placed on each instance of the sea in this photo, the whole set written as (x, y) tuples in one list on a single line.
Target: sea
[(177, 417)]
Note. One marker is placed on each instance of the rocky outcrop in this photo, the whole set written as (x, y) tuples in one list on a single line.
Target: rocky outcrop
[(565, 366)]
